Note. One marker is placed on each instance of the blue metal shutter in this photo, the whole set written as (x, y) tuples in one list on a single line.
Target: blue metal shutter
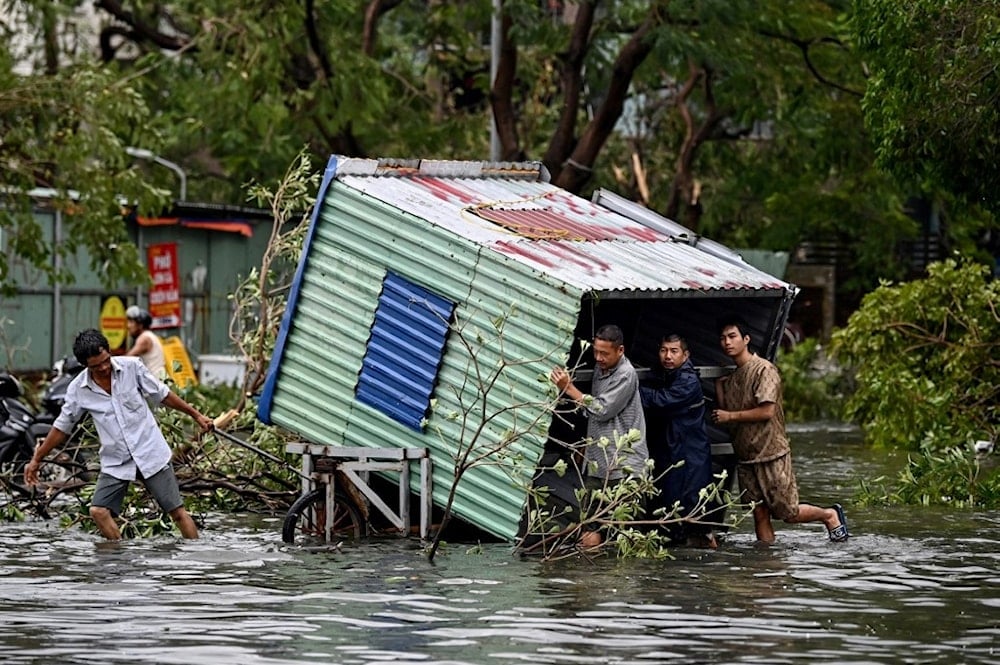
[(404, 351)]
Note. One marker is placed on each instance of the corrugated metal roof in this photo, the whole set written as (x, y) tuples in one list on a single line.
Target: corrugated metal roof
[(579, 242)]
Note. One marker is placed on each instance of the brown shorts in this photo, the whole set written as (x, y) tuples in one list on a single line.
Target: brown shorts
[(772, 484)]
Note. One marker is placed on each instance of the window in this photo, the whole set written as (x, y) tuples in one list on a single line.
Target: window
[(404, 351)]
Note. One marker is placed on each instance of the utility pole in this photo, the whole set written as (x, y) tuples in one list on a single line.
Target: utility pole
[(495, 38)]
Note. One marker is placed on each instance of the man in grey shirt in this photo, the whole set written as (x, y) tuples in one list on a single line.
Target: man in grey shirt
[(117, 392), (614, 410)]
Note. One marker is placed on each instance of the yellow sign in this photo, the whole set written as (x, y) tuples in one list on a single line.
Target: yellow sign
[(113, 321), (178, 362)]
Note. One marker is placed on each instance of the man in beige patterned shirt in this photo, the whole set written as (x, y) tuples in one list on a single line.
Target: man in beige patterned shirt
[(750, 403)]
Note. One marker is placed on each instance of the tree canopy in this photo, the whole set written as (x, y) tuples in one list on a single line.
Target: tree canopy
[(741, 118), (932, 95)]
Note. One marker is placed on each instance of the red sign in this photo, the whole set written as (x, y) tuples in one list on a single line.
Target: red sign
[(165, 295)]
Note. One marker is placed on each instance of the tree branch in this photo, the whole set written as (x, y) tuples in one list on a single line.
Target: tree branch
[(804, 45), (316, 44), (141, 31), (563, 138), (575, 171), (373, 12), (682, 188)]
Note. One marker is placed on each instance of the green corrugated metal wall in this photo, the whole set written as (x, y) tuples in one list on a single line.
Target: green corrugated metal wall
[(30, 337), (356, 241)]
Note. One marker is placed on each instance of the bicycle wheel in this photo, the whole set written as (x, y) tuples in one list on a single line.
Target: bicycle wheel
[(307, 517)]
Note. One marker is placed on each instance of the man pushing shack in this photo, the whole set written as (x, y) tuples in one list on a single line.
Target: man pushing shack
[(117, 393), (750, 403), (614, 411)]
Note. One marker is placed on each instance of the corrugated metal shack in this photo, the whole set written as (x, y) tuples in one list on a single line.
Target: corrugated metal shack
[(408, 265)]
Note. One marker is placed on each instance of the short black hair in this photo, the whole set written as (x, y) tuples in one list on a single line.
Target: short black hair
[(610, 333), (89, 343), (674, 337), (733, 322)]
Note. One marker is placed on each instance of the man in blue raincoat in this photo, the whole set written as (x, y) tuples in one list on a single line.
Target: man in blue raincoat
[(675, 415)]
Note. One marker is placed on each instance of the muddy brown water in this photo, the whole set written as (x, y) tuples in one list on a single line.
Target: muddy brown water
[(914, 585)]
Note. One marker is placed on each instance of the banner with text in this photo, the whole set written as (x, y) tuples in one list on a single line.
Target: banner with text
[(164, 296)]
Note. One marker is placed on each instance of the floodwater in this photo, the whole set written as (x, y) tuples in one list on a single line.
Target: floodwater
[(913, 585)]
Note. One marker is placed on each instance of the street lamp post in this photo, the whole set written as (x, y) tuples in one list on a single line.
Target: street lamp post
[(142, 153)]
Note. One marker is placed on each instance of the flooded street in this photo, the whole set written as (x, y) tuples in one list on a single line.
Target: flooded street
[(914, 585)]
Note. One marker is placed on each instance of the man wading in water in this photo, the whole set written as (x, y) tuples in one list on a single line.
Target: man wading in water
[(115, 391), (750, 402), (613, 411)]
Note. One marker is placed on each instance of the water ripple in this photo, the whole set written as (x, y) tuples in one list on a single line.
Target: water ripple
[(913, 585)]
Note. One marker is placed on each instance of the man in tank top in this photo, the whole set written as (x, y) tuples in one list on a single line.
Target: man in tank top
[(146, 344)]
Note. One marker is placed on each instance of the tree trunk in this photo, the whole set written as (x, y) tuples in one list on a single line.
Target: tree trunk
[(564, 136), (576, 169), (683, 204), (502, 92)]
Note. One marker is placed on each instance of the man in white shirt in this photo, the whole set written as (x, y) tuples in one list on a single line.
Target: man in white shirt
[(117, 392)]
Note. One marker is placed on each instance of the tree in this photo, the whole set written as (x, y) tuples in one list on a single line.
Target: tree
[(931, 100), (927, 360), (927, 356), (931, 106), (741, 118), (64, 133)]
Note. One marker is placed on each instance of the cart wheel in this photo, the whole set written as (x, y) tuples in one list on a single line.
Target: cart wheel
[(307, 517)]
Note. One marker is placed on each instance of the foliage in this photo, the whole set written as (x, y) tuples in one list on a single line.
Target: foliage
[(926, 355), (814, 388), (617, 509), (941, 474), (741, 118), (787, 160), (66, 132), (931, 97), (260, 298)]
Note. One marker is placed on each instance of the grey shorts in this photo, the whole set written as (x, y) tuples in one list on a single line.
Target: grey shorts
[(110, 491)]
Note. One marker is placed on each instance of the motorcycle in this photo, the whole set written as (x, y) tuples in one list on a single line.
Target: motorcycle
[(22, 429), (63, 372)]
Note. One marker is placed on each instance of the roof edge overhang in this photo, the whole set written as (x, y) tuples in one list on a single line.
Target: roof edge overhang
[(660, 294), (387, 167), (676, 231)]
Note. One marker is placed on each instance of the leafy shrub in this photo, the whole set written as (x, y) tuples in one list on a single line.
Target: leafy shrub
[(814, 388), (949, 475), (926, 356)]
